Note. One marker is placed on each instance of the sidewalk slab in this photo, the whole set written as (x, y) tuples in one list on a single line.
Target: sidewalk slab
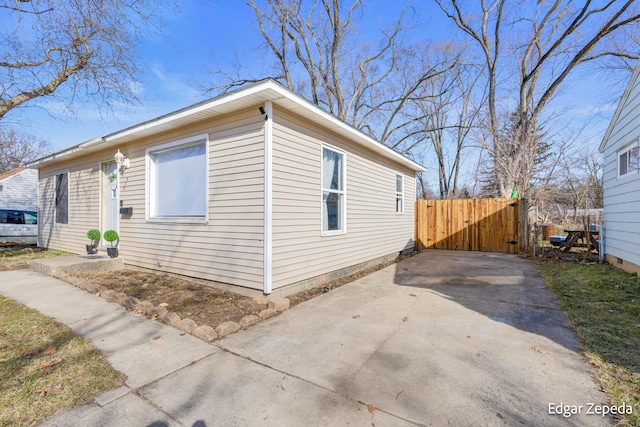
[(227, 390), (65, 303), (143, 349), (128, 411)]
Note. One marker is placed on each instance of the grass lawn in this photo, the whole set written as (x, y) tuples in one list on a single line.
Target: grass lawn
[(603, 304), (15, 259), (45, 367)]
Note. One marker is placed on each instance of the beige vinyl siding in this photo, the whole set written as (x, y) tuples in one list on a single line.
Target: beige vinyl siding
[(622, 195), (84, 202), (374, 229), (228, 248)]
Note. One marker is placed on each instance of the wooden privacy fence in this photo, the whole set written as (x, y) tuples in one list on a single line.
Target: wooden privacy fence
[(491, 225)]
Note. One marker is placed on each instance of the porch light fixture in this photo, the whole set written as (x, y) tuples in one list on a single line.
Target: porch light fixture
[(121, 161)]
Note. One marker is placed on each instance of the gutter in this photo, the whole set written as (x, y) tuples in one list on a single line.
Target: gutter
[(65, 152)]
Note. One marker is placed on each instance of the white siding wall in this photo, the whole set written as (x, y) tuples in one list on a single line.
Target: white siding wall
[(622, 195), (373, 228), (20, 191), (228, 249)]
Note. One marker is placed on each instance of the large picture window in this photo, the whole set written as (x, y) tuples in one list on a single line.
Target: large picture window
[(628, 160), (177, 179), (62, 198), (333, 191), (399, 193)]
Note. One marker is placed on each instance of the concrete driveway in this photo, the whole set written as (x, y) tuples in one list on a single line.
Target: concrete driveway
[(443, 338)]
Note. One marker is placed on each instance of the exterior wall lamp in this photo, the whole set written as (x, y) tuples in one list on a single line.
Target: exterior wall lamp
[(121, 161)]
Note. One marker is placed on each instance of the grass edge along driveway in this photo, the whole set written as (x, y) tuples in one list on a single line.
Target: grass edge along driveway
[(603, 304)]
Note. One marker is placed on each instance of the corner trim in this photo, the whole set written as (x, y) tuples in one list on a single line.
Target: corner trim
[(268, 199)]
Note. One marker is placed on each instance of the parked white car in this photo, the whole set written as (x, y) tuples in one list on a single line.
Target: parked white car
[(18, 226)]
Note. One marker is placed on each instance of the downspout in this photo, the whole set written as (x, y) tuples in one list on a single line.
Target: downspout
[(268, 198)]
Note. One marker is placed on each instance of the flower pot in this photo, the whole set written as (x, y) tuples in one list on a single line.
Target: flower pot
[(112, 252), (92, 249)]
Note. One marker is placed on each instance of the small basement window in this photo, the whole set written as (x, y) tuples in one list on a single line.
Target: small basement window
[(628, 160)]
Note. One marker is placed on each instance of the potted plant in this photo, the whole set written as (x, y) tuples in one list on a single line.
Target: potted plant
[(94, 236), (112, 236)]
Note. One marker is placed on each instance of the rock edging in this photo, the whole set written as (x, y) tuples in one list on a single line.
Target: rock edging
[(270, 307)]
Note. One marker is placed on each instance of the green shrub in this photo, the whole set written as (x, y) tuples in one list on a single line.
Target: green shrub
[(111, 236), (93, 234)]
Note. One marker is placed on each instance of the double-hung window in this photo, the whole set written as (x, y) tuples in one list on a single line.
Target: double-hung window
[(62, 198), (177, 181), (333, 191), (399, 193), (628, 160)]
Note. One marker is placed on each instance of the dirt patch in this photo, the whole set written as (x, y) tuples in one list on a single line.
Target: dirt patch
[(546, 251), (203, 304)]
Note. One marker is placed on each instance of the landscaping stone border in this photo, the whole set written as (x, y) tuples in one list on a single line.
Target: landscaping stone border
[(270, 307)]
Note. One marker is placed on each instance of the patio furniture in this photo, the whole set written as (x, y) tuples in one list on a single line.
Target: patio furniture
[(575, 236)]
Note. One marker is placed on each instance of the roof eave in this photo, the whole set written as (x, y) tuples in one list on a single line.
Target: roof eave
[(616, 115), (43, 161), (353, 133), (262, 91)]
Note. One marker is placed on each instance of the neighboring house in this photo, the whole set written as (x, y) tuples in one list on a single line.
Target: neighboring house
[(621, 181), (19, 189), (19, 206), (257, 188)]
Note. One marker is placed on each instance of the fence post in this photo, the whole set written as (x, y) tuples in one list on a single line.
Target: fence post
[(524, 223), (419, 225), (416, 232)]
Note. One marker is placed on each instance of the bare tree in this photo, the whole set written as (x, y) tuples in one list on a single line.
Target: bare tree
[(450, 114), (18, 149), (582, 180), (372, 86), (71, 48), (540, 44)]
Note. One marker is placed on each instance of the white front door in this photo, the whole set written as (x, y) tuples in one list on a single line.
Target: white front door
[(110, 204)]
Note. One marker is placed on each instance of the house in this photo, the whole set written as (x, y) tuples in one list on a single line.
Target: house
[(621, 181), (19, 206), (19, 189), (258, 189)]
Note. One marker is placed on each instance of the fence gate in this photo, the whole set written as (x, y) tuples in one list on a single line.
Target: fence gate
[(491, 225)]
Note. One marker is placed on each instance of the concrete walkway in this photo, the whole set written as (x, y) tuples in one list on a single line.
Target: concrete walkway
[(443, 338)]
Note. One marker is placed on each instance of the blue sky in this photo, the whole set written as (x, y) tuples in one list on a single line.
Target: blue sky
[(207, 34)]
